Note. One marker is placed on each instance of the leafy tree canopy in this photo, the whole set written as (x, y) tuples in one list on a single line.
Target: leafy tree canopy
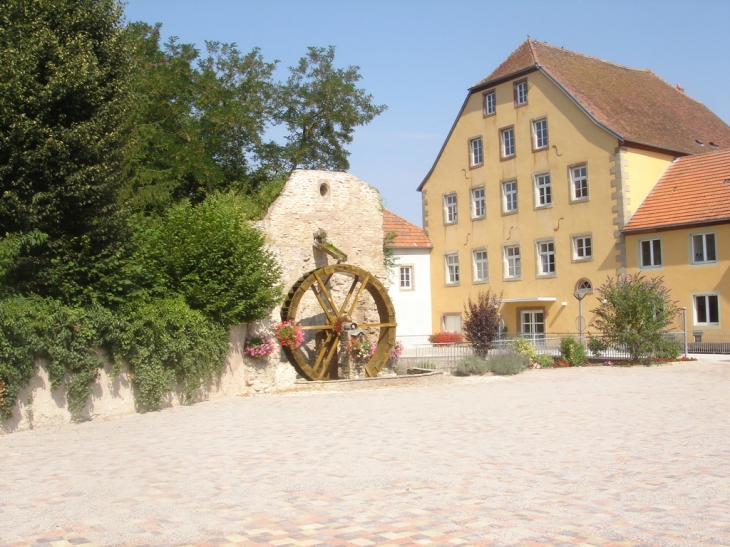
[(634, 313), (63, 81), (201, 122)]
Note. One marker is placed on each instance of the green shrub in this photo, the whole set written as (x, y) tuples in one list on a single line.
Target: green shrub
[(471, 364), (210, 256), (523, 346), (543, 360), (572, 351), (508, 363), (65, 336), (596, 345), (668, 348), (167, 343)]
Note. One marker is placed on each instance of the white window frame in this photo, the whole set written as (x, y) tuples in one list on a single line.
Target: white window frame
[(692, 252), (578, 242), (536, 137), (511, 259), (706, 297), (476, 262), (409, 286), (445, 326), (544, 251), (506, 197), (490, 107), (573, 179), (451, 262), (543, 190), (520, 91), (477, 210), (451, 208), (532, 321), (654, 264), (503, 143), (476, 152)]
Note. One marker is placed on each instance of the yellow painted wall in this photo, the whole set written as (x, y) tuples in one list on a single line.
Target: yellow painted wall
[(685, 279), (573, 139), (645, 168)]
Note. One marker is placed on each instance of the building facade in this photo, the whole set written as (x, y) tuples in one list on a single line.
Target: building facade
[(547, 160), (410, 279), (681, 232)]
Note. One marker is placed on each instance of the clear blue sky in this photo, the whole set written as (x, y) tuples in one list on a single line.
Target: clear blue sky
[(420, 56)]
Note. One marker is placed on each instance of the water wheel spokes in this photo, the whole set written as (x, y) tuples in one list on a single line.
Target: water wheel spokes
[(339, 292)]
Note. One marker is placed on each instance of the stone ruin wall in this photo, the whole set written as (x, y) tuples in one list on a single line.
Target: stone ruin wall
[(350, 212)]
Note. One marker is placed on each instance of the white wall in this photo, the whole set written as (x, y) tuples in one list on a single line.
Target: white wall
[(412, 307)]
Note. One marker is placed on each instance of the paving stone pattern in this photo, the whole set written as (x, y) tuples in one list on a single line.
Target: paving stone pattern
[(596, 456)]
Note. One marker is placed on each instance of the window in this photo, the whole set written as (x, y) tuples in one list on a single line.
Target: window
[(508, 142), (509, 196), (533, 324), (546, 257), (584, 286), (451, 322), (481, 266), (476, 156), (582, 247), (521, 93), (650, 253), (512, 262), (452, 268), (490, 103), (450, 212), (579, 182), (478, 203), (707, 309), (703, 248), (539, 134), (543, 191), (406, 278)]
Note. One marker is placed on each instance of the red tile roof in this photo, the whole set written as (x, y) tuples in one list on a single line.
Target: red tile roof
[(634, 104), (693, 190), (408, 235)]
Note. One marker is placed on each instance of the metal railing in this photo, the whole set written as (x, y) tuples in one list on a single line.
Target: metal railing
[(447, 356), (708, 341)]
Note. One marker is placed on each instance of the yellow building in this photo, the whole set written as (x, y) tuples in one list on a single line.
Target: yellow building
[(542, 169), (681, 232)]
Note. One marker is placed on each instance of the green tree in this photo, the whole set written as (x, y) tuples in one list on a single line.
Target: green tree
[(321, 107), (211, 256), (198, 123), (634, 313), (481, 321), (63, 98)]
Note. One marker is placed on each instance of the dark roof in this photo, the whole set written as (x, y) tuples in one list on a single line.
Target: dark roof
[(634, 104), (693, 190), (407, 234)]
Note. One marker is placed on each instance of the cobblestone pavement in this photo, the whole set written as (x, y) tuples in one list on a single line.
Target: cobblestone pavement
[(597, 456)]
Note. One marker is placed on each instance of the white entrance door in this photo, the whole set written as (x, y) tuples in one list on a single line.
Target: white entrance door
[(533, 324)]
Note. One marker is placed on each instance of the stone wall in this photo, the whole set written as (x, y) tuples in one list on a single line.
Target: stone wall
[(345, 207)]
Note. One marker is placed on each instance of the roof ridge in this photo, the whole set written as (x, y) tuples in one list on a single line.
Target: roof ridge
[(532, 49), (592, 57)]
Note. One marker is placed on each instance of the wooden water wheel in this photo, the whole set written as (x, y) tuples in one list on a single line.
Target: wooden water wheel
[(321, 301)]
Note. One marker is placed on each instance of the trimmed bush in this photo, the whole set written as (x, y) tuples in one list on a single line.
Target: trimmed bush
[(509, 363), (471, 364), (543, 360), (573, 352)]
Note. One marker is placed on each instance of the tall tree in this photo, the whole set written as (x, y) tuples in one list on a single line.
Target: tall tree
[(321, 107), (199, 122), (63, 81)]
